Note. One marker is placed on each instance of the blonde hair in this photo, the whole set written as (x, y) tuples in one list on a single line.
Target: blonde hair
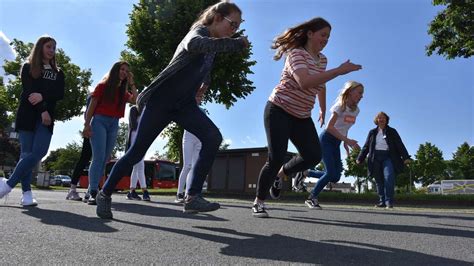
[(223, 8), (344, 95), (36, 57), (297, 36)]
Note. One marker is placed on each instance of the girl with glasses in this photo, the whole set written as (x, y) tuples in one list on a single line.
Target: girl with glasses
[(171, 97)]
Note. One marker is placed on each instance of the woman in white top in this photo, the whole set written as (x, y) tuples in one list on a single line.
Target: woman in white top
[(343, 116), (386, 158)]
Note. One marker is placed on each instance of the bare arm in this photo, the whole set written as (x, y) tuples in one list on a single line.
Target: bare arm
[(131, 83), (322, 106), (350, 142), (86, 132), (307, 81)]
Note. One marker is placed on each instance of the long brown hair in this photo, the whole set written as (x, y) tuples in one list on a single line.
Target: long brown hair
[(223, 8), (36, 57), (297, 36), (113, 83)]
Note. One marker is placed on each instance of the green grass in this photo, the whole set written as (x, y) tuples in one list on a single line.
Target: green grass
[(335, 197)]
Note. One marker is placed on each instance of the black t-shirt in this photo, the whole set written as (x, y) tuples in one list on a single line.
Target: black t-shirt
[(50, 84)]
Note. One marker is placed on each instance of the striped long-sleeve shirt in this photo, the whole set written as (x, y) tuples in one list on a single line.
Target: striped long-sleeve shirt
[(288, 94)]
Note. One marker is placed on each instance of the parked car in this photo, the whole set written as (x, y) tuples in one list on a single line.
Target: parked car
[(158, 174), (60, 180), (55, 180), (65, 181)]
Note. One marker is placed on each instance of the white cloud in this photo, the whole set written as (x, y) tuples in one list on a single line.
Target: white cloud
[(249, 140), (6, 53)]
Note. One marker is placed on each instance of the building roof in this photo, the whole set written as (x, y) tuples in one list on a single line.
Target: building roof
[(247, 150)]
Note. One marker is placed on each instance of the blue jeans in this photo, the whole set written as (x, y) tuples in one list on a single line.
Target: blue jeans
[(158, 113), (384, 174), (332, 163), (104, 136), (34, 146)]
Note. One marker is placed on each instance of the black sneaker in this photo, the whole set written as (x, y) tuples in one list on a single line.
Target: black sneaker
[(199, 204), (380, 205), (179, 198), (146, 196), (275, 189), (92, 199), (259, 210), (133, 195), (313, 203), (104, 206), (389, 206), (299, 182)]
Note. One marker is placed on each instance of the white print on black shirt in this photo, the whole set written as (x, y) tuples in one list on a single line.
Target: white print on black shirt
[(47, 74)]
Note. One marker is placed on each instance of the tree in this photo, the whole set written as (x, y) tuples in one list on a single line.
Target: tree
[(174, 152), (404, 180), (158, 156), (429, 165), (77, 82), (68, 158), (155, 30), (9, 151), (462, 165), (224, 146), (48, 163), (5, 120), (452, 29), (357, 170), (63, 160), (122, 137)]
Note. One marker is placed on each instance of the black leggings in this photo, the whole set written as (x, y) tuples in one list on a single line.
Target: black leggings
[(281, 127), (158, 113), (86, 154)]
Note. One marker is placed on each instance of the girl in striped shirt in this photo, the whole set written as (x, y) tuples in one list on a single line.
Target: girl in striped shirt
[(287, 115)]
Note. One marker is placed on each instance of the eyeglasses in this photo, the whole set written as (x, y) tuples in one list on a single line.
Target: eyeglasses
[(233, 24)]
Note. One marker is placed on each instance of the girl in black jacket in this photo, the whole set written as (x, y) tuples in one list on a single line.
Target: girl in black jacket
[(43, 85), (387, 156)]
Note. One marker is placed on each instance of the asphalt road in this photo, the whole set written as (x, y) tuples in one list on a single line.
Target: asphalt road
[(65, 232)]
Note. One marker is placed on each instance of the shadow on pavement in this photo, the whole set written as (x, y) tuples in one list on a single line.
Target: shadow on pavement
[(152, 210), (385, 227), (280, 248), (71, 220), (454, 225), (395, 213)]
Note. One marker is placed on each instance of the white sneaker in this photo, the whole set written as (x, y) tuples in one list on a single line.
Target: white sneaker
[(73, 195), (27, 199), (259, 210), (4, 187)]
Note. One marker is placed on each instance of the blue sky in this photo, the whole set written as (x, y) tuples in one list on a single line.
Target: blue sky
[(429, 99)]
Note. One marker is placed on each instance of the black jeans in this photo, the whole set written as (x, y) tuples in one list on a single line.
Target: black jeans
[(157, 114), (86, 154), (281, 127)]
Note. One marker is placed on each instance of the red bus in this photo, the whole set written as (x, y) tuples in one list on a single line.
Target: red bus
[(158, 174)]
